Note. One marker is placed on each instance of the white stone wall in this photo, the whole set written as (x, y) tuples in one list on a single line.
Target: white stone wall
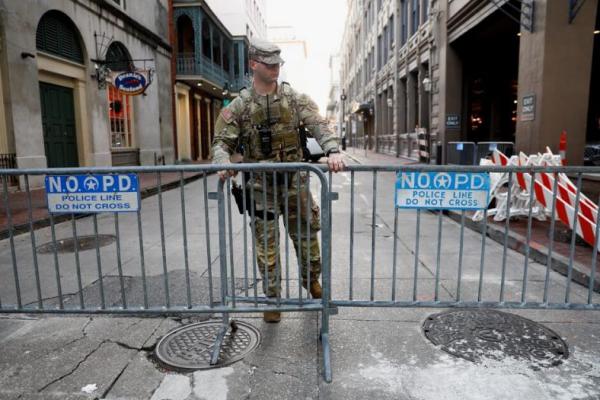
[(152, 112)]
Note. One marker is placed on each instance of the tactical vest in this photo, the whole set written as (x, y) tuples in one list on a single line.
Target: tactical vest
[(284, 123)]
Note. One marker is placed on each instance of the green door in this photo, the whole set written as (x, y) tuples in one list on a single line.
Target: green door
[(58, 121)]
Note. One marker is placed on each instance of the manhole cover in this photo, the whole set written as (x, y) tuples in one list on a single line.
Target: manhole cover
[(68, 245), (190, 347), (477, 334)]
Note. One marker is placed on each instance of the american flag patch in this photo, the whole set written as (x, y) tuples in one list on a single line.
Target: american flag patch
[(227, 115)]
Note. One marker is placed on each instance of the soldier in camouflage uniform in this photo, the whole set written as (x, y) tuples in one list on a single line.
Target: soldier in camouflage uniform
[(281, 109)]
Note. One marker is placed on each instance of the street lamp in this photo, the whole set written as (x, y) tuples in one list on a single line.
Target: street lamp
[(343, 122), (427, 84)]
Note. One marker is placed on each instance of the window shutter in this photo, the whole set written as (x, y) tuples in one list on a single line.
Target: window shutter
[(57, 35)]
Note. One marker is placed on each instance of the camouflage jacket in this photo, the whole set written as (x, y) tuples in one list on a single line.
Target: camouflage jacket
[(237, 126)]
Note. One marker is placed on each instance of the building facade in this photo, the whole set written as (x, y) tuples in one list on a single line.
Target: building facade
[(211, 67), (242, 17), (472, 70), (57, 108), (387, 53), (333, 110)]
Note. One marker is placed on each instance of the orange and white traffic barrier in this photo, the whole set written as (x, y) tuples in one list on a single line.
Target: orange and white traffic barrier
[(562, 147), (566, 190), (550, 159), (586, 207), (585, 228), (519, 202)]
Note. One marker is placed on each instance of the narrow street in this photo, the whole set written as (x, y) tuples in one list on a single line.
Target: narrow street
[(376, 352)]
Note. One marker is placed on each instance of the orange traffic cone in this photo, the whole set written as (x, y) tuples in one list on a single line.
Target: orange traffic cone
[(562, 148)]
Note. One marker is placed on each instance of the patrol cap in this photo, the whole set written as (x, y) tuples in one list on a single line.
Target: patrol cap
[(265, 52)]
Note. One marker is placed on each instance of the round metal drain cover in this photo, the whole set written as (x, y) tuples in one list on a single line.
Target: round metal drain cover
[(488, 334), (84, 243), (190, 347)]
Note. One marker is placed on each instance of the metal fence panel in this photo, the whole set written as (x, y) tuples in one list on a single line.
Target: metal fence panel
[(422, 258), (187, 250), (183, 251)]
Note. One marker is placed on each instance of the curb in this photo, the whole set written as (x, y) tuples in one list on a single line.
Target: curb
[(537, 251)]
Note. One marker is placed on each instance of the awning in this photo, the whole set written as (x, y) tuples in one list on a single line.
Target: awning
[(362, 107)]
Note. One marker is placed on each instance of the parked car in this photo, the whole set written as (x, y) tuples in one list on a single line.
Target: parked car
[(591, 154)]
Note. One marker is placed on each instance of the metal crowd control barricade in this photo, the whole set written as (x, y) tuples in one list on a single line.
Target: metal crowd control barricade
[(162, 259), (159, 260), (421, 258)]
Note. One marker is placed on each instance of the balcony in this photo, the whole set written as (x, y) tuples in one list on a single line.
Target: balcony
[(189, 66), (206, 51)]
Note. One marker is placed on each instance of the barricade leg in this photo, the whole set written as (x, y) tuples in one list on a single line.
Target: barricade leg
[(226, 322), (326, 197)]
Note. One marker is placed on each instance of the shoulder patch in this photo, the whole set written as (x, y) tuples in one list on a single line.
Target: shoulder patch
[(227, 115)]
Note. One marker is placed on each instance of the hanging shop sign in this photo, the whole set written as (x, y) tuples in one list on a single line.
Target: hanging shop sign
[(131, 82)]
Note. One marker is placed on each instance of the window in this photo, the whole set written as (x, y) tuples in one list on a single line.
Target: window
[(185, 35), (118, 58), (119, 105), (404, 25), (378, 5), (391, 25), (246, 60), (379, 53), (206, 38), (385, 45), (226, 53), (425, 10), (415, 16), (119, 113), (216, 47), (236, 60), (56, 34)]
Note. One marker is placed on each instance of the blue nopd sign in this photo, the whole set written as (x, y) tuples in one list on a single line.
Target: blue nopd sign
[(92, 193), (442, 190)]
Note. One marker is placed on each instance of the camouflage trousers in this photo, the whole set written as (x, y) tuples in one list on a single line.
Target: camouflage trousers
[(302, 223)]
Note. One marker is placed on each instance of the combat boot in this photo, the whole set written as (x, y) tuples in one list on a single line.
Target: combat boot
[(315, 289), (272, 316)]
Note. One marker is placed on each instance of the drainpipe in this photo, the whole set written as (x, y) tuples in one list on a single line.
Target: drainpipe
[(173, 77)]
